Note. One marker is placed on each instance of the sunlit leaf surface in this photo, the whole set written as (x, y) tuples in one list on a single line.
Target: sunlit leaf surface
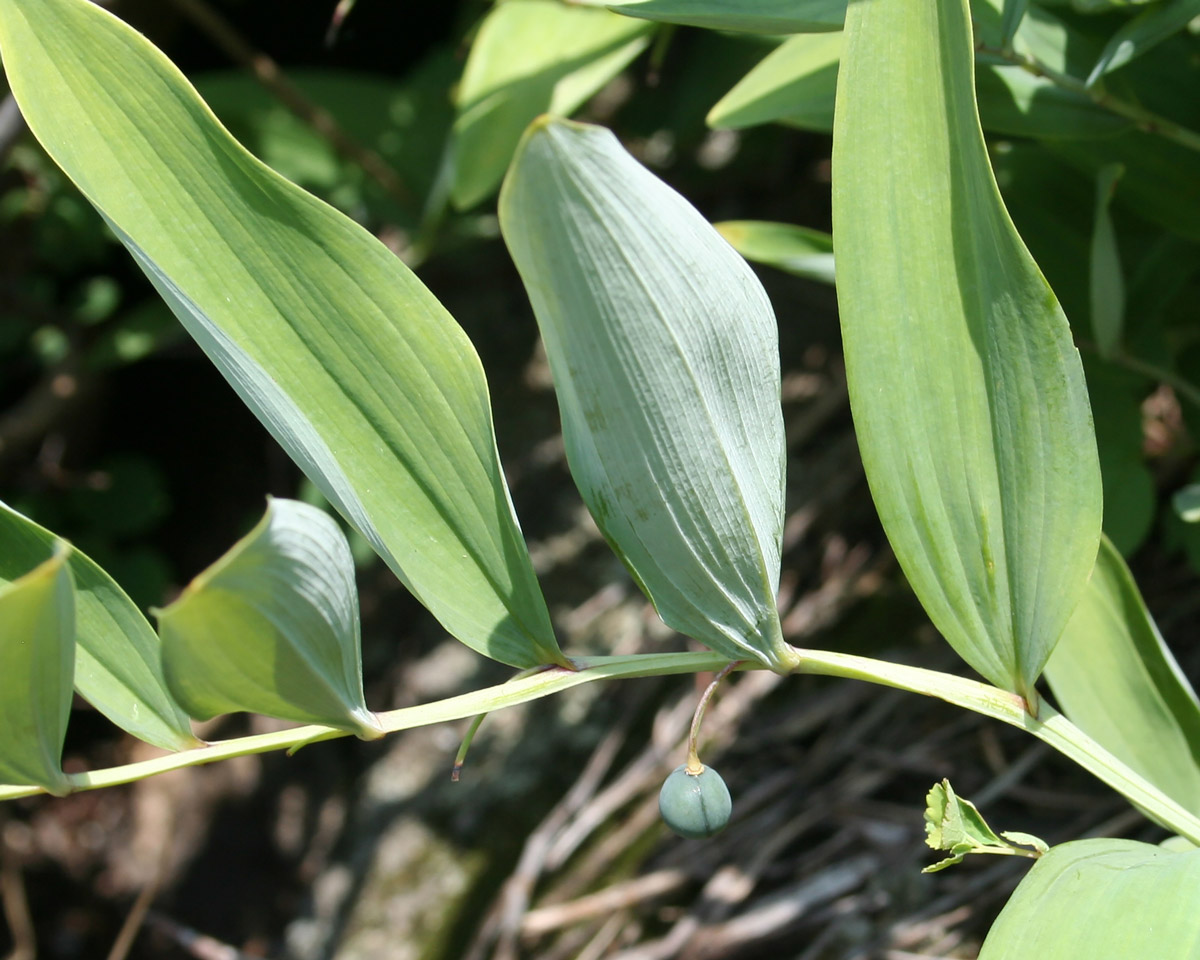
[(349, 361), (968, 395), (1102, 898)]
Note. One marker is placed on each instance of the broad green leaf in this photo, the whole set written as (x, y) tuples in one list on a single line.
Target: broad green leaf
[(1107, 283), (349, 361), (968, 396), (1144, 32), (1115, 678), (796, 83), (1102, 898), (797, 250), (530, 57), (663, 348), (749, 16), (118, 665), (37, 665), (1187, 503), (272, 627)]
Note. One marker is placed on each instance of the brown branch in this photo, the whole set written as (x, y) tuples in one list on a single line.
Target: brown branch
[(269, 74)]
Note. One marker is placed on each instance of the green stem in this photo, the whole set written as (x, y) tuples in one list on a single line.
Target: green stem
[(509, 694), (1144, 119), (463, 748), (461, 757), (1049, 726)]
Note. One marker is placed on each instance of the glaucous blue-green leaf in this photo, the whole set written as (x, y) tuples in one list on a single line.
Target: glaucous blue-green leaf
[(663, 348), (1102, 898), (1115, 678), (37, 666), (272, 627), (968, 395), (795, 84), (801, 251), (1106, 282), (118, 665), (1144, 32), (530, 57), (349, 361), (746, 16)]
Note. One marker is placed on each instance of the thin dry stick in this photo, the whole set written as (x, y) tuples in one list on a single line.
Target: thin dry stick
[(16, 905), (268, 73), (141, 906), (133, 922)]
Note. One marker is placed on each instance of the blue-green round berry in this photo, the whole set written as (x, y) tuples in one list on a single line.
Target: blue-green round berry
[(695, 805)]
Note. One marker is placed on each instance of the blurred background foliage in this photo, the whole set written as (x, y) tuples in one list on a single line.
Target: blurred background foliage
[(117, 433)]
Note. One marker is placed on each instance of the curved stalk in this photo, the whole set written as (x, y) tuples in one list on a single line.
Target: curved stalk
[(694, 766)]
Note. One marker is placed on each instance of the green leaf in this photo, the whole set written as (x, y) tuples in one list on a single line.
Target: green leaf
[(1144, 32), (37, 664), (956, 825), (1187, 503), (272, 627), (1107, 283), (530, 57), (749, 16), (1013, 12), (795, 83), (968, 395), (797, 250), (1102, 898), (1115, 679), (118, 664), (1015, 102), (663, 348), (349, 361)]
